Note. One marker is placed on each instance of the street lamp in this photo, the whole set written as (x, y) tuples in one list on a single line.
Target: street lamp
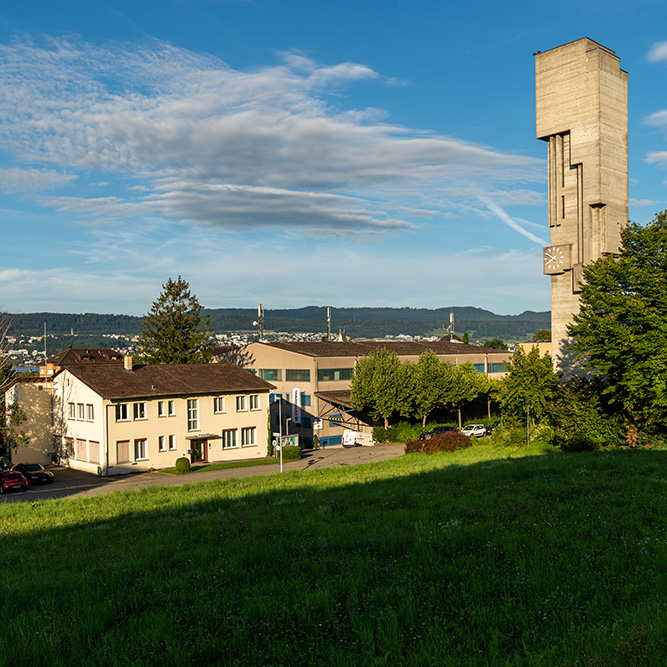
[(282, 444), (527, 423)]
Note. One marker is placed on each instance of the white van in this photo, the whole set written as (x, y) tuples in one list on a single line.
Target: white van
[(357, 439)]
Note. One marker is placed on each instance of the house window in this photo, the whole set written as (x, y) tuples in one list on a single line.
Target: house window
[(171, 408), (121, 412), (123, 451), (90, 412), (229, 439), (172, 443), (334, 374), (479, 367), (140, 450), (248, 437), (219, 404), (193, 414), (241, 404), (274, 397), (305, 400), (80, 414), (297, 375), (94, 451), (498, 368), (161, 444), (270, 374), (139, 410), (160, 408), (72, 410), (81, 450), (254, 402)]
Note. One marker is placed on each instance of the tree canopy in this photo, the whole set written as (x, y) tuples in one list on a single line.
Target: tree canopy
[(542, 336), (175, 331), (620, 333), (530, 378), (431, 384), (380, 385), (495, 343)]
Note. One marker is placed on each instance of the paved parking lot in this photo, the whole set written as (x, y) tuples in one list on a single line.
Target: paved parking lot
[(70, 483)]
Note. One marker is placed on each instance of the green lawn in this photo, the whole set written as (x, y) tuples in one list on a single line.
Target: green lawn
[(226, 466), (481, 557)]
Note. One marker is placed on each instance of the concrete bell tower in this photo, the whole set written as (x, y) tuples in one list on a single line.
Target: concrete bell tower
[(581, 102)]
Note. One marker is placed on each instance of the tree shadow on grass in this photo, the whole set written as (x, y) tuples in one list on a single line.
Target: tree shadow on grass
[(403, 562)]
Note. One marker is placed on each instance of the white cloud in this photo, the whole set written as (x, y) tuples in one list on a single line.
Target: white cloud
[(200, 142), (657, 157), (658, 53), (25, 180), (643, 202), (511, 222)]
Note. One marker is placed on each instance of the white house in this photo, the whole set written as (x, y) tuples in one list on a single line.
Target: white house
[(118, 418)]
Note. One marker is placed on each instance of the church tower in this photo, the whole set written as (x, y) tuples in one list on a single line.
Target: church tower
[(581, 102)]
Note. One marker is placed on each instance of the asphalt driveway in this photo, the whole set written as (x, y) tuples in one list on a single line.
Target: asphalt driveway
[(70, 483)]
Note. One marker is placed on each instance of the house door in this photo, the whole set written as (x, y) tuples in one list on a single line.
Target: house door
[(199, 451)]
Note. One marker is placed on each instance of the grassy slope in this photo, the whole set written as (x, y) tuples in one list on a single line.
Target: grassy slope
[(467, 558)]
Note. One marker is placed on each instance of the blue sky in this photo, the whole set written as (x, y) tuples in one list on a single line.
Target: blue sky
[(291, 152)]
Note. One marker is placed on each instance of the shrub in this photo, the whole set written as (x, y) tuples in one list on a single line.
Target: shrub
[(514, 436), (380, 434), (182, 466), (580, 420), (444, 442), (447, 442), (291, 453), (636, 439), (414, 446)]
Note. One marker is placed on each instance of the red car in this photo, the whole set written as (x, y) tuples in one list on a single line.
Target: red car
[(11, 480)]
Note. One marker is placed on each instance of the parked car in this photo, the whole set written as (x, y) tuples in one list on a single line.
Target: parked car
[(474, 430), (492, 427), (436, 431), (10, 480), (35, 473)]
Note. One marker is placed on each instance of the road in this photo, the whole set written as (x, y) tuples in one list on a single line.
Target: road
[(77, 484)]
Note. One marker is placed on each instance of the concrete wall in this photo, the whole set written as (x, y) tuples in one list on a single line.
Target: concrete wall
[(581, 106)]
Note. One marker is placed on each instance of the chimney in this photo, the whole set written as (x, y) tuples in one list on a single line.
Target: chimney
[(127, 362)]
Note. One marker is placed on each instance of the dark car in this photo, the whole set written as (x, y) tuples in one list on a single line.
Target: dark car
[(492, 427), (35, 473), (11, 480), (436, 431)]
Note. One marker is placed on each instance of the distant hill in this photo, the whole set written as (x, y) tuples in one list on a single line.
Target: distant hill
[(357, 322)]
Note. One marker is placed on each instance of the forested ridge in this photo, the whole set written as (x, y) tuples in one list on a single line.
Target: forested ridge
[(357, 322)]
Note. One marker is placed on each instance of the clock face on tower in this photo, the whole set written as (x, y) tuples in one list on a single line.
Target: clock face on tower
[(557, 259)]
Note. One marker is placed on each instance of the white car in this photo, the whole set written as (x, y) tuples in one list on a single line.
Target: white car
[(474, 430)]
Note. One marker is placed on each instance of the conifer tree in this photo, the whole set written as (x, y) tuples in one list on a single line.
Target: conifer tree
[(175, 331)]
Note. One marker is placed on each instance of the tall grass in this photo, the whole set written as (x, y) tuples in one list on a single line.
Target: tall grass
[(485, 556)]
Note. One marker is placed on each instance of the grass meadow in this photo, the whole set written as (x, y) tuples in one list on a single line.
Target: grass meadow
[(482, 557)]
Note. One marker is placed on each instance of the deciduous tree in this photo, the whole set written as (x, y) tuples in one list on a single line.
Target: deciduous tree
[(620, 333), (175, 331), (432, 382), (530, 378), (380, 385)]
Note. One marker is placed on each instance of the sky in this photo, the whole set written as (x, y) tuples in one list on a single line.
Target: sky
[(294, 153)]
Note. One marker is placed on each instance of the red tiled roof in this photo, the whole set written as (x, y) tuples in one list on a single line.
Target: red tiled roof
[(112, 381)]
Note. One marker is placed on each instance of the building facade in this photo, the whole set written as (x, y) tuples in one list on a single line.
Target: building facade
[(112, 419), (312, 379)]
